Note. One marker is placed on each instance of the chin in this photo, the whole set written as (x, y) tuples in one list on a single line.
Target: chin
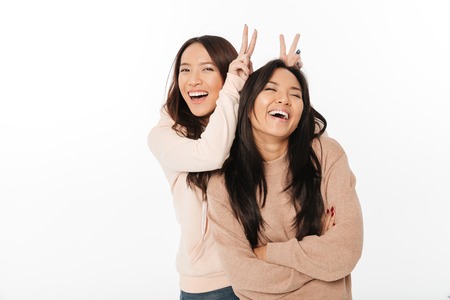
[(198, 114), (202, 113)]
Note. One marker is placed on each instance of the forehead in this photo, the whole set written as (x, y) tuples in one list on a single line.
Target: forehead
[(284, 77), (195, 53)]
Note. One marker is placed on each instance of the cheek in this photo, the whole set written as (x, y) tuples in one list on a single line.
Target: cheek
[(214, 88), (299, 110), (297, 115), (261, 105), (181, 85)]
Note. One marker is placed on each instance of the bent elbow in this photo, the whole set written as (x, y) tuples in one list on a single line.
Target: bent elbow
[(347, 265), (218, 160)]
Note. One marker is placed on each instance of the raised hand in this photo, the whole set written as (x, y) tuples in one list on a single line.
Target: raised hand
[(242, 65), (293, 57)]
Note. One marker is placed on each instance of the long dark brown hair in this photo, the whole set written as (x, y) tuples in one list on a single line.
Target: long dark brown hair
[(187, 124), (244, 168)]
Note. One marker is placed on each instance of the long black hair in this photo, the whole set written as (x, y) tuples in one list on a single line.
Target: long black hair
[(244, 168), (187, 124)]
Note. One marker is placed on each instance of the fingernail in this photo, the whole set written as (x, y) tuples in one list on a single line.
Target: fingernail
[(328, 211), (298, 51)]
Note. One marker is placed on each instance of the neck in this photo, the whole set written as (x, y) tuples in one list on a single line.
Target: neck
[(272, 151)]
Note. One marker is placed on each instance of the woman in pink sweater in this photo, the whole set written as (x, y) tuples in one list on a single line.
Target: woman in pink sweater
[(193, 135), (284, 210)]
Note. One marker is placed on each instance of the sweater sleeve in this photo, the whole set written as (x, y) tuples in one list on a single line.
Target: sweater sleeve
[(178, 153), (250, 277), (334, 254)]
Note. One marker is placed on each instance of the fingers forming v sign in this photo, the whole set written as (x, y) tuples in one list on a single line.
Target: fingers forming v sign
[(293, 57), (242, 65)]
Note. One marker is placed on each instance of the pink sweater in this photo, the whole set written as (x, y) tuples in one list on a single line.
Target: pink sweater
[(197, 260), (317, 267)]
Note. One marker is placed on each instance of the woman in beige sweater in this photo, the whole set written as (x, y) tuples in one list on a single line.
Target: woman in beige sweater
[(284, 210)]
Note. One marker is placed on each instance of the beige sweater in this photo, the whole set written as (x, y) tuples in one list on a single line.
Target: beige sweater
[(197, 259), (317, 267)]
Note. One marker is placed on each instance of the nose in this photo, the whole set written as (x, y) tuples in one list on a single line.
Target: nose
[(284, 100), (194, 80)]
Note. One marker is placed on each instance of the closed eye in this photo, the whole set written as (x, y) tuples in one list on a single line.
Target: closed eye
[(269, 89)]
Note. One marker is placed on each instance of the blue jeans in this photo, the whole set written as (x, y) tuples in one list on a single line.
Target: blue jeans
[(220, 294)]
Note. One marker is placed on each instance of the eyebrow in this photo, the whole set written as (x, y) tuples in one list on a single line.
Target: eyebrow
[(201, 64), (292, 87)]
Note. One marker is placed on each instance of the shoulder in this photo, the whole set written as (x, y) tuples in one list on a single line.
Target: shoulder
[(327, 146), (328, 151)]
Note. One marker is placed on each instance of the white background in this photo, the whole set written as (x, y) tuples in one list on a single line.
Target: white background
[(85, 211)]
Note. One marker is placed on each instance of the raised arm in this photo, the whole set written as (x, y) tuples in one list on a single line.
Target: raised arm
[(180, 154)]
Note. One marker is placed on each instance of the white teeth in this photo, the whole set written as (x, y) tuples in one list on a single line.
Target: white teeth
[(279, 112), (198, 94)]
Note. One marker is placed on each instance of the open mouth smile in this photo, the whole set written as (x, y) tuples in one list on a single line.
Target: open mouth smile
[(279, 114)]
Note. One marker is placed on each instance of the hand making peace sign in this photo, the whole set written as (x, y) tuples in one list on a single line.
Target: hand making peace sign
[(293, 57), (242, 65)]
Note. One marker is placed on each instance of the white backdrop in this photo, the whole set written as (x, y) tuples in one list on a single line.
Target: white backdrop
[(85, 212)]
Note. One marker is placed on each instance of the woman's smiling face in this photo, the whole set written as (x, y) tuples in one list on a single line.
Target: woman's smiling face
[(199, 80), (278, 108)]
